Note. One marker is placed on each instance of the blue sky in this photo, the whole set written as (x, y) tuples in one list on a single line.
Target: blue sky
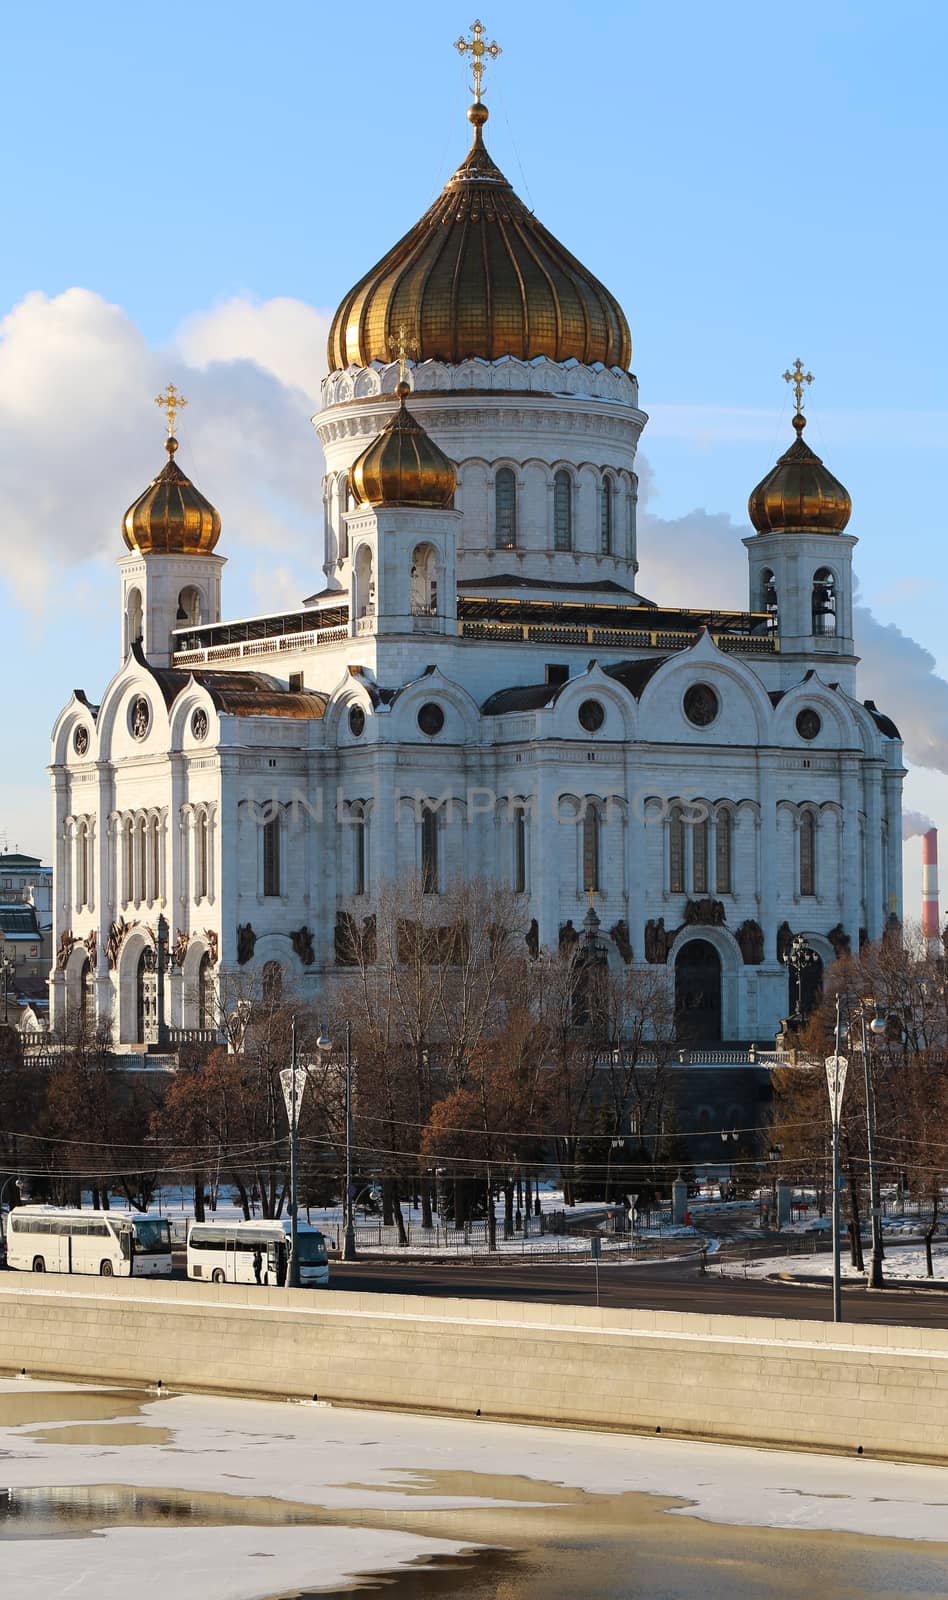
[(753, 183)]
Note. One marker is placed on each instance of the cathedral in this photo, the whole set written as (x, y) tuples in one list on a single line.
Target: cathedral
[(477, 686)]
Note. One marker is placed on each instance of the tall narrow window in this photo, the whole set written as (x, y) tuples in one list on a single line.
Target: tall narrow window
[(271, 856), (722, 853), (358, 852), (606, 514), (505, 508), (562, 511), (141, 861), (699, 847), (768, 594), (82, 864), (807, 853), (591, 851), (676, 852), (519, 851), (154, 865), (201, 856), (128, 860), (429, 851)]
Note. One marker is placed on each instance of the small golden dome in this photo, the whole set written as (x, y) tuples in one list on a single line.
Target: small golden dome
[(799, 494), (403, 466), (480, 276), (171, 517)]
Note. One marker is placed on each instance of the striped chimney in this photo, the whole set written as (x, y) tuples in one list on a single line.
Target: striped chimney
[(930, 915)]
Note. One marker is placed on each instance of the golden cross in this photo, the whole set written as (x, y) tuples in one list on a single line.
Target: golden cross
[(402, 350), (172, 402), (798, 378), (478, 48)]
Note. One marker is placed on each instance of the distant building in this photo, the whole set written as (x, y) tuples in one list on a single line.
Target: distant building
[(26, 935)]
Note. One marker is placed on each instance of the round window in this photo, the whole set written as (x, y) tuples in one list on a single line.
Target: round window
[(701, 705), (199, 724), (430, 719), (80, 741), (139, 717), (356, 721), (809, 723), (591, 716)]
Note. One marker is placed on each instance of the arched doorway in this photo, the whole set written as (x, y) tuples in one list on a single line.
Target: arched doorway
[(698, 993), (146, 998)]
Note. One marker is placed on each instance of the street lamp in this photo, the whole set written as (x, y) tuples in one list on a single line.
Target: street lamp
[(324, 1046), (799, 959), (732, 1134), (836, 1065), (877, 1025), (294, 1079), (774, 1154)]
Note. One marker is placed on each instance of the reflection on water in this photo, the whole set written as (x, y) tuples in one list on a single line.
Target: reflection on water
[(19, 1406), (77, 1512)]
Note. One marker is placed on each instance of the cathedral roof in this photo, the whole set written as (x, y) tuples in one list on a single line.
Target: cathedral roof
[(172, 517), (479, 276), (239, 694), (403, 466), (799, 494)]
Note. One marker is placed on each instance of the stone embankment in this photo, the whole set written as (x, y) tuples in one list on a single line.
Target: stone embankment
[(877, 1391)]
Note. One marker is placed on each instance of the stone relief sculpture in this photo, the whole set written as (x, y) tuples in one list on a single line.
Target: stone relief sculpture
[(246, 942)]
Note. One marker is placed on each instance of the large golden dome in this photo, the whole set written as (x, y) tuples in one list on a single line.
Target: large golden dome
[(403, 466), (799, 494), (479, 276), (171, 517)]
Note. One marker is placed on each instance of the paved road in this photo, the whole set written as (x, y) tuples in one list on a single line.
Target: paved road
[(665, 1288)]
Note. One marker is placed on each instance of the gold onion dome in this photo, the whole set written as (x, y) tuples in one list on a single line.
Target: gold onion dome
[(171, 517), (799, 494), (480, 276), (403, 466)]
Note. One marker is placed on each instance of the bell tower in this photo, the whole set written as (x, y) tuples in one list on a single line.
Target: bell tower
[(171, 577)]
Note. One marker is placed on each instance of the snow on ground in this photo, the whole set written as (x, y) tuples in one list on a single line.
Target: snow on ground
[(348, 1461), (903, 1263)]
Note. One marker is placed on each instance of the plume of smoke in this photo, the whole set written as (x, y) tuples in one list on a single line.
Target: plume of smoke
[(915, 823)]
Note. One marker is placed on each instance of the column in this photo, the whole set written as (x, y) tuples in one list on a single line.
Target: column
[(852, 877), (876, 909)]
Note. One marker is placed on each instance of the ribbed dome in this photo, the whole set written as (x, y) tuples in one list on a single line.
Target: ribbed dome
[(171, 517), (479, 276), (799, 495), (403, 466)]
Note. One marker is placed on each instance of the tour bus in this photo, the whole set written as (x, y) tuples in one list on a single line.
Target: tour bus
[(254, 1252), (52, 1239)]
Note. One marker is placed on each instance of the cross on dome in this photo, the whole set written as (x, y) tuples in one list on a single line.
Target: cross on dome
[(402, 351), (172, 402), (798, 378), (477, 48)]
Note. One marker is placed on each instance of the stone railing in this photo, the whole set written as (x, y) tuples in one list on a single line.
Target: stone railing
[(616, 638), (282, 643)]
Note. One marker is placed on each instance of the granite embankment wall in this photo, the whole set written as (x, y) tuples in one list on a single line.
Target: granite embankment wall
[(741, 1379)]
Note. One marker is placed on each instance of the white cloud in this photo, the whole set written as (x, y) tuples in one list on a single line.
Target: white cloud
[(915, 823), (80, 435)]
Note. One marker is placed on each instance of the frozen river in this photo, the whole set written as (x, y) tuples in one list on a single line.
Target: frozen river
[(121, 1495)]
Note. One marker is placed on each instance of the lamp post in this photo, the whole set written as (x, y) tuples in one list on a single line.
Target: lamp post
[(877, 1026), (8, 966), (732, 1134), (294, 1087), (324, 1046), (773, 1155), (799, 959), (836, 1065)]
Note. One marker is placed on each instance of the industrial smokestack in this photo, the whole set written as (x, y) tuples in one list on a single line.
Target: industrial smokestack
[(930, 914)]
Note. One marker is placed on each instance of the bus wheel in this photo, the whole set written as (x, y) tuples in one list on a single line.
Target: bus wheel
[(105, 1269), (39, 1265), (217, 1275)]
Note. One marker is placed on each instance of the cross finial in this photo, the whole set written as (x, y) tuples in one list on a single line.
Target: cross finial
[(798, 378), (172, 402), (477, 48), (402, 350)]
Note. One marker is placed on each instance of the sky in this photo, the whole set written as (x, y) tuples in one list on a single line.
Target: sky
[(188, 195)]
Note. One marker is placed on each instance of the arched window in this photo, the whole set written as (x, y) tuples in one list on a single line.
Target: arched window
[(429, 850), (505, 509), (272, 983), (676, 851), (722, 852), (82, 864), (824, 602), (768, 594), (699, 848), (128, 860), (807, 853), (133, 612), (154, 859), (85, 992), (359, 874), (562, 511), (271, 855), (364, 583), (201, 856), (519, 851), (189, 607), (424, 581), (591, 833), (606, 516), (141, 859)]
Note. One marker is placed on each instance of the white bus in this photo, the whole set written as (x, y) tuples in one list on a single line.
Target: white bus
[(254, 1252), (51, 1239)]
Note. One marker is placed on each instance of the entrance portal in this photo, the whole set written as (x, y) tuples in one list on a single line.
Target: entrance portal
[(698, 993)]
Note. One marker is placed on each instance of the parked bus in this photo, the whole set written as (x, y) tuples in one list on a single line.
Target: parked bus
[(112, 1244), (254, 1252)]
